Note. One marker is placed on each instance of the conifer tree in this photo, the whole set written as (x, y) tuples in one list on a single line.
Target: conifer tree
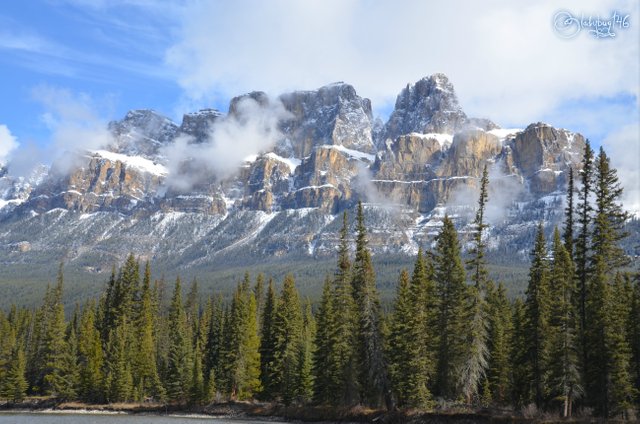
[(307, 350), (324, 373), (15, 379), (568, 216), (268, 343), (118, 378), (500, 338), (288, 325), (198, 391), (215, 343), (536, 326), (634, 336), (258, 292), (564, 378), (249, 353), (521, 365), (145, 372), (373, 378), (476, 359), (90, 357), (179, 365), (582, 247), (344, 386), (420, 320), (451, 294), (399, 354)]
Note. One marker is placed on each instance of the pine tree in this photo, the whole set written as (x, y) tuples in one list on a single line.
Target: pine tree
[(568, 216), (344, 385), (56, 349), (608, 381), (399, 353), (258, 292), (145, 372), (198, 392), (582, 248), (268, 343), (536, 324), (621, 392), (521, 365), (476, 359), (214, 347), (324, 373), (90, 357), (451, 294), (16, 381), (307, 350), (634, 335), (420, 320), (250, 352), (179, 365), (564, 378), (500, 339), (118, 379), (374, 384), (288, 325)]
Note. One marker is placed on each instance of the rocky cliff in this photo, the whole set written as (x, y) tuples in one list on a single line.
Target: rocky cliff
[(282, 201)]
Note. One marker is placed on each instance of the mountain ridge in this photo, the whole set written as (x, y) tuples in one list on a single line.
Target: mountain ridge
[(327, 152)]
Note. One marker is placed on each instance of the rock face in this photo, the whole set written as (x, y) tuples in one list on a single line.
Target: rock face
[(424, 162), (199, 124), (142, 132), (331, 115)]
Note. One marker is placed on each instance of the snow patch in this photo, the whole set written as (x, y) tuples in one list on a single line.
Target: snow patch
[(353, 153), (444, 140), (138, 162), (291, 162)]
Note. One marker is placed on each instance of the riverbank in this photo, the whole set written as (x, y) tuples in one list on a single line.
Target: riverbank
[(276, 412)]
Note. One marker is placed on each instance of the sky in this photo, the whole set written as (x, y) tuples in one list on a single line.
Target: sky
[(81, 63)]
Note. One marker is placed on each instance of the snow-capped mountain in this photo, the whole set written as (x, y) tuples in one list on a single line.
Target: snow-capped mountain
[(282, 202)]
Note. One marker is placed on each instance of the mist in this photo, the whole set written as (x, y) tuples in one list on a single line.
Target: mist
[(75, 125), (251, 130), (503, 191), (8, 143)]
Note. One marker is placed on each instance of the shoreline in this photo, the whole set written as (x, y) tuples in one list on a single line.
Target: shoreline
[(269, 412)]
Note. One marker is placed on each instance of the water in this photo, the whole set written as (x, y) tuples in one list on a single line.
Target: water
[(96, 418)]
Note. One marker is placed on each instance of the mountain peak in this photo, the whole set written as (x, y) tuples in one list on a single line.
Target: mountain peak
[(428, 106)]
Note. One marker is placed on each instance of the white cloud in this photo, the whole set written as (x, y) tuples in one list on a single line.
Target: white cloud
[(8, 143), (623, 147), (251, 130), (75, 124), (503, 57)]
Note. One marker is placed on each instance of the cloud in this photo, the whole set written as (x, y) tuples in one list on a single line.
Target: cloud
[(75, 124), (251, 129), (8, 143), (623, 147), (504, 58)]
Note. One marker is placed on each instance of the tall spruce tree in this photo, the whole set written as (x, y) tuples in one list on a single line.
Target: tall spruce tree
[(307, 350), (568, 216), (343, 345), (324, 373), (179, 364), (268, 343), (289, 328), (90, 357), (399, 353), (634, 336), (500, 339), (536, 326), (476, 359), (451, 323), (145, 372), (582, 247), (373, 378), (564, 378)]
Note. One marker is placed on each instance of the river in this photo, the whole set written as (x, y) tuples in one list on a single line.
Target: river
[(98, 418)]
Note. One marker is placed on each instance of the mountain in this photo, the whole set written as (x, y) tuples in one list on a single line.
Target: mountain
[(281, 203)]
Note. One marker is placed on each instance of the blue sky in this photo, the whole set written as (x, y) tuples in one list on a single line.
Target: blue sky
[(505, 59)]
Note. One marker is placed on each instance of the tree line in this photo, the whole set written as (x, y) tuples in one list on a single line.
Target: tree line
[(452, 337)]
